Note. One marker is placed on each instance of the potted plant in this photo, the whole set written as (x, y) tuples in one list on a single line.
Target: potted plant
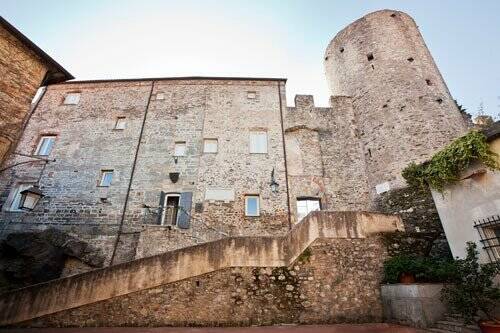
[(401, 269), (473, 293)]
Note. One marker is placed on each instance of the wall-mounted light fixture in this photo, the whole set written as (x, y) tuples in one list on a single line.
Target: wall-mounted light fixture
[(33, 194), (30, 197), (274, 185)]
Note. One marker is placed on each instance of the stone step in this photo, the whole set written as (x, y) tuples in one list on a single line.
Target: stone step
[(454, 317), (438, 330), (456, 326)]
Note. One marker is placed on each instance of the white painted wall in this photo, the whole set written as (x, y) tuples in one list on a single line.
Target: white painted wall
[(473, 198)]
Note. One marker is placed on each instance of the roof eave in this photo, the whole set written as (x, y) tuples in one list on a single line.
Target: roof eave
[(56, 73)]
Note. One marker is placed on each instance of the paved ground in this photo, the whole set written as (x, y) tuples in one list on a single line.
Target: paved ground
[(365, 328)]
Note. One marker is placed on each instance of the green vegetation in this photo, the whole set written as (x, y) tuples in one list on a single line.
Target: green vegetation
[(445, 166), (473, 292), (424, 269)]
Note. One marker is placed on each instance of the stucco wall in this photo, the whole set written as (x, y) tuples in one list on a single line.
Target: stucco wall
[(21, 73), (475, 197)]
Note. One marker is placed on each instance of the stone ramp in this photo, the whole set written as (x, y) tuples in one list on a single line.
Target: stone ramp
[(78, 290)]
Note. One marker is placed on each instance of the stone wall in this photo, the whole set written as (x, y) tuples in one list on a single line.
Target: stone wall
[(324, 158), (354, 228), (424, 234), (172, 110), (402, 106), (21, 73), (333, 281)]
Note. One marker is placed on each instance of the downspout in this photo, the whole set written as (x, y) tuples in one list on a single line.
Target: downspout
[(284, 155), (132, 172)]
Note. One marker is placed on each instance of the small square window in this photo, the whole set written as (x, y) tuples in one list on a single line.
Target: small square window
[(106, 178), (72, 98), (305, 206), (258, 142), (251, 94), (210, 146), (120, 123), (45, 145), (180, 148), (160, 96), (252, 205)]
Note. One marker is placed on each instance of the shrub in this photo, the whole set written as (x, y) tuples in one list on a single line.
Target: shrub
[(446, 165), (473, 292), (425, 269)]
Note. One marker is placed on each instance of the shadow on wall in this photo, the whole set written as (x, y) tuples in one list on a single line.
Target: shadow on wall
[(33, 257)]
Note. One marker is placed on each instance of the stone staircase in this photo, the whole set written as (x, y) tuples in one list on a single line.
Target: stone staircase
[(454, 323), (123, 279)]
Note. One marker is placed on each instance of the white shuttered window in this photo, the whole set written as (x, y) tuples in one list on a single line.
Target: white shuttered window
[(258, 142)]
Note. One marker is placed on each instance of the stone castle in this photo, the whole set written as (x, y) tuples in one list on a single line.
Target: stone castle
[(136, 168), (123, 152)]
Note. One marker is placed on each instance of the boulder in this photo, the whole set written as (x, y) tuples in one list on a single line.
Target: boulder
[(32, 257)]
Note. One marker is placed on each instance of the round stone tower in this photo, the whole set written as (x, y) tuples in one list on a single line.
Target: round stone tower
[(403, 109)]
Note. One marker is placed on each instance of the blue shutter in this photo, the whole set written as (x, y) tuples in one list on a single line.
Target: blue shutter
[(161, 206), (183, 216)]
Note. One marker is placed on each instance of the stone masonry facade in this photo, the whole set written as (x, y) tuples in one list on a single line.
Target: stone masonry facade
[(228, 153), (328, 283), (21, 73), (23, 69)]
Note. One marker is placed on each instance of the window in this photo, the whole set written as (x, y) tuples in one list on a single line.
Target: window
[(72, 98), (106, 178), (305, 206), (120, 123), (180, 148), (258, 142), (251, 94), (16, 198), (252, 205), (170, 209), (210, 145), (45, 145)]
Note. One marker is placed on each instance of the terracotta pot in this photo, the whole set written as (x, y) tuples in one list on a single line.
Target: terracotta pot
[(407, 278), (489, 327)]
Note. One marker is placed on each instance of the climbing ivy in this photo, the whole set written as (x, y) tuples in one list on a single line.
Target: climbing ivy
[(446, 165)]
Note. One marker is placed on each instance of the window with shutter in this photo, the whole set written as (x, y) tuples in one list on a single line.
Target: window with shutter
[(258, 142), (184, 215), (161, 208)]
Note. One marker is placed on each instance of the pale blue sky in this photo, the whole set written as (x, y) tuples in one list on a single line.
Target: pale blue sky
[(96, 39)]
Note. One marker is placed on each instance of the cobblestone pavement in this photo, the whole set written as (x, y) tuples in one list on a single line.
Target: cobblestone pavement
[(341, 328)]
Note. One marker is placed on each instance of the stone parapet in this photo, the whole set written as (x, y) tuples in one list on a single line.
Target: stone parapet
[(273, 251)]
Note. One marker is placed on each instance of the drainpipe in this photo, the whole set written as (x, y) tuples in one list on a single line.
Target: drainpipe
[(132, 172), (284, 155)]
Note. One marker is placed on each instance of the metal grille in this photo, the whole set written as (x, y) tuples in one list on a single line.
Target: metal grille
[(170, 215), (489, 232)]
